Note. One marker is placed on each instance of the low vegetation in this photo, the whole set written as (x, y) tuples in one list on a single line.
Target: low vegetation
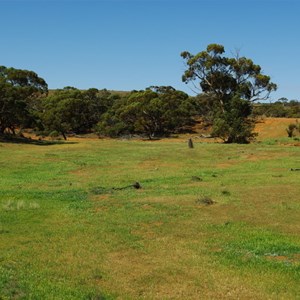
[(292, 129), (214, 221)]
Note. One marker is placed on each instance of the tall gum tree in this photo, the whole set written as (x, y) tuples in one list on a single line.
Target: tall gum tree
[(226, 79)]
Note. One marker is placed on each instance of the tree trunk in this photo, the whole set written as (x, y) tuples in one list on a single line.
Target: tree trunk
[(12, 130), (64, 136)]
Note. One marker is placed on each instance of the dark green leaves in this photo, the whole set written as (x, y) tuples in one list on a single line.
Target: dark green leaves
[(232, 83), (18, 89), (156, 111), (225, 76)]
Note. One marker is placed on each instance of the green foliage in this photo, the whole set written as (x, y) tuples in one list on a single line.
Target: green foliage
[(226, 79), (280, 109), (73, 110), (19, 91), (54, 134), (205, 106), (234, 126), (292, 129), (225, 76), (156, 111)]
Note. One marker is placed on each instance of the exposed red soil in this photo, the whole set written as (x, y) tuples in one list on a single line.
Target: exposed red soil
[(265, 127)]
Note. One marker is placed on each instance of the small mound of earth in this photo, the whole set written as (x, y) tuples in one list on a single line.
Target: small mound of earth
[(205, 201), (196, 178)]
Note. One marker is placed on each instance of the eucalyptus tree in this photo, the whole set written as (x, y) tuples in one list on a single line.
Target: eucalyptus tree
[(233, 84), (19, 94), (156, 111), (73, 110)]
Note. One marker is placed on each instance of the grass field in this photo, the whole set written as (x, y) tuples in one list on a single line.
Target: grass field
[(67, 232)]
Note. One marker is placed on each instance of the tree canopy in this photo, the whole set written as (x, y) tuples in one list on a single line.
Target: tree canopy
[(18, 91), (156, 111), (73, 110), (225, 79), (225, 76)]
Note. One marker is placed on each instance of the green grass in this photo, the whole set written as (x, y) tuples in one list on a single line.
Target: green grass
[(66, 232)]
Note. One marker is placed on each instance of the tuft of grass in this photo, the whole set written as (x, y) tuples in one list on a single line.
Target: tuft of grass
[(9, 205), (205, 201), (226, 193), (12, 205), (99, 190)]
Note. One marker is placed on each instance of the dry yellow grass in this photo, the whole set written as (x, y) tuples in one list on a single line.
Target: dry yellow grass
[(273, 127)]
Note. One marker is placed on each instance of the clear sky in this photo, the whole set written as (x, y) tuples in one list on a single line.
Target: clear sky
[(126, 45)]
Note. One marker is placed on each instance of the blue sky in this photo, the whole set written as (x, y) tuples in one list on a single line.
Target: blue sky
[(126, 45)]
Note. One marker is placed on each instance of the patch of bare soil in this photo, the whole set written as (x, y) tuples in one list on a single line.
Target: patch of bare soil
[(273, 127), (294, 259)]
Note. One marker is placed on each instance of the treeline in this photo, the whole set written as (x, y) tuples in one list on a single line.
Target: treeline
[(25, 102), (156, 111), (283, 108)]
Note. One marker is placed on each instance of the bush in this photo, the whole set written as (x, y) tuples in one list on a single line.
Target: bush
[(291, 129), (156, 111), (234, 124), (54, 134)]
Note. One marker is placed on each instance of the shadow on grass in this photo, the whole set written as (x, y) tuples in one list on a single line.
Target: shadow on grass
[(23, 140)]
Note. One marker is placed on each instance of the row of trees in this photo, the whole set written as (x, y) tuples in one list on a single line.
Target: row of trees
[(25, 102), (282, 108), (72, 110), (228, 87), (156, 111)]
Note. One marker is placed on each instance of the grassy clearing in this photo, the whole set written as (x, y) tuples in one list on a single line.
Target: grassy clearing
[(65, 233)]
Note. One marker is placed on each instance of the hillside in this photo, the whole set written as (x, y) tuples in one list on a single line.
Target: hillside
[(273, 127)]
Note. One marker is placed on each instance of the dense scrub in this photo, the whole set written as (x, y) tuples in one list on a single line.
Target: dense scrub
[(157, 111), (278, 109)]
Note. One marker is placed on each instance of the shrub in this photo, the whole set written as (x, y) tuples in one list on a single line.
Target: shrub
[(54, 134), (291, 129)]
